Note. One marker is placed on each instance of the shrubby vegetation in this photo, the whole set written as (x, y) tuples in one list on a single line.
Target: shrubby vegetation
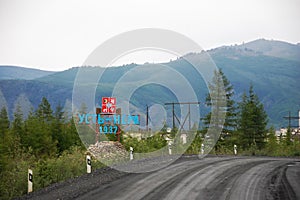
[(44, 142)]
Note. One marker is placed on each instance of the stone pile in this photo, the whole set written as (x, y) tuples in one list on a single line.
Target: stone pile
[(108, 151)]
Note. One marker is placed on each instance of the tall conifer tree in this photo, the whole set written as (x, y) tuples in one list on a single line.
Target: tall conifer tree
[(217, 86), (252, 121)]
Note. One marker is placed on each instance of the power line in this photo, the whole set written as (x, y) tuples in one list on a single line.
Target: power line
[(187, 116)]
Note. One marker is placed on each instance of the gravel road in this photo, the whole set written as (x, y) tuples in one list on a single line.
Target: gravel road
[(238, 178)]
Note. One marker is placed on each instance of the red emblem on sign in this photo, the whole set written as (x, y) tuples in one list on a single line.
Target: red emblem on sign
[(108, 105)]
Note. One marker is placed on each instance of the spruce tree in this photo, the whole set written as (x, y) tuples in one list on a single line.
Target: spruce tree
[(252, 121), (288, 136), (4, 128), (17, 124), (4, 122), (219, 84), (44, 111), (38, 131), (59, 131)]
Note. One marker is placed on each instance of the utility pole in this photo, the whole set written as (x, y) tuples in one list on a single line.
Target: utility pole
[(98, 111), (188, 114), (173, 114), (147, 119), (289, 118)]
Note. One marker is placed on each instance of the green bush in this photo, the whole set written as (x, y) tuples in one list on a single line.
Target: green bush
[(69, 164)]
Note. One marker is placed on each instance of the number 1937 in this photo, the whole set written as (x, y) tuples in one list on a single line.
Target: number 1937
[(108, 129)]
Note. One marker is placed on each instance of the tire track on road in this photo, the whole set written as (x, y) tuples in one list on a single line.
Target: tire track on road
[(164, 189), (204, 183), (147, 185), (253, 184), (221, 186)]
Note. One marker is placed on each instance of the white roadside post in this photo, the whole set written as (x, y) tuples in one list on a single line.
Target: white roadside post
[(183, 137), (131, 153), (88, 164), (202, 149), (170, 147), (30, 181), (169, 130), (235, 149)]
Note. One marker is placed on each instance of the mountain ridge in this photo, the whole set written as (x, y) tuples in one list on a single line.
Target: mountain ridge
[(274, 48), (16, 72), (275, 80)]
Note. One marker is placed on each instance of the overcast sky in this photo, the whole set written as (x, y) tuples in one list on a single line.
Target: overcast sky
[(59, 34)]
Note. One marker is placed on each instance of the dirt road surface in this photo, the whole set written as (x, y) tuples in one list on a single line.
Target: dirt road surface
[(237, 178)]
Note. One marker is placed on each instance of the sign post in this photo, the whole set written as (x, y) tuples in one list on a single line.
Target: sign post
[(30, 181), (88, 164)]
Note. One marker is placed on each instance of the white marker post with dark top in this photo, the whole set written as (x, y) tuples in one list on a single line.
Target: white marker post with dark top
[(30, 180), (235, 149), (88, 164), (131, 153)]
